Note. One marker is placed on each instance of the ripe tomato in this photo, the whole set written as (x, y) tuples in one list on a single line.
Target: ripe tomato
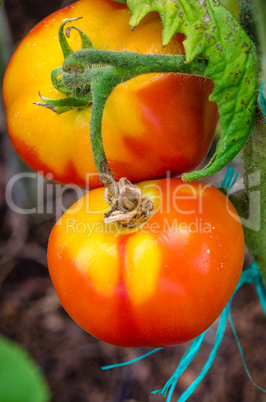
[(151, 124), (160, 284)]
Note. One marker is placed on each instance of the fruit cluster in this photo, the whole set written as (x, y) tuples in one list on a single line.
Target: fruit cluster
[(160, 267)]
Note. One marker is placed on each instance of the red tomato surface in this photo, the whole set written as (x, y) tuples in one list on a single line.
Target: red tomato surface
[(151, 124), (160, 284)]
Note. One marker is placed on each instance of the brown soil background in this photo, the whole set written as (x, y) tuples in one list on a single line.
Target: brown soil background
[(71, 359)]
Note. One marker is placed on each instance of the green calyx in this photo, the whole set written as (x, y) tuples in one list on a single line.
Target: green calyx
[(77, 88), (81, 68)]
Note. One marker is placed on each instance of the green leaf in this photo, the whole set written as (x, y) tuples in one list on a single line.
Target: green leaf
[(213, 32), (20, 378)]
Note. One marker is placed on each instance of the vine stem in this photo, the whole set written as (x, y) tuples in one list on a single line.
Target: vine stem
[(260, 16), (107, 81), (134, 63), (251, 204), (247, 19), (254, 160), (120, 67)]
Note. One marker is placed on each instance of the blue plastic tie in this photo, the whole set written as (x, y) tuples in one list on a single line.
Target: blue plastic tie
[(218, 339), (230, 179), (242, 355), (250, 276), (262, 100), (261, 291), (187, 358), (131, 361)]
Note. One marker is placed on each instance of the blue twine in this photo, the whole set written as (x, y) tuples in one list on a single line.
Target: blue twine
[(218, 339), (262, 100), (242, 355), (261, 291), (230, 179), (131, 361), (187, 358), (249, 276)]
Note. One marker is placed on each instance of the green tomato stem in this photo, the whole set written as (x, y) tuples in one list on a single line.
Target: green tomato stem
[(254, 160), (134, 63), (260, 16), (120, 67), (251, 203), (247, 19), (101, 86)]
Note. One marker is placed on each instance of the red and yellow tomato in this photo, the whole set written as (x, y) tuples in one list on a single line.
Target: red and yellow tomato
[(151, 124), (159, 284)]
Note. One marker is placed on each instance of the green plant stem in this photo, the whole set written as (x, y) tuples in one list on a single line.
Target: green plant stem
[(120, 67), (102, 85), (254, 156), (134, 63), (251, 204), (260, 15), (247, 19)]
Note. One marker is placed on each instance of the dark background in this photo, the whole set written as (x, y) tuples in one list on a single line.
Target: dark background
[(71, 360)]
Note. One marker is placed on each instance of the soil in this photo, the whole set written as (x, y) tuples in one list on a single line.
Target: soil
[(71, 359)]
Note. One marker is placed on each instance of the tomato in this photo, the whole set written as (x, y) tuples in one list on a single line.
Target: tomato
[(151, 124), (159, 284)]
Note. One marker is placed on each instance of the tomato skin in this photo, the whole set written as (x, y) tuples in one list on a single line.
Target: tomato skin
[(151, 124), (158, 285)]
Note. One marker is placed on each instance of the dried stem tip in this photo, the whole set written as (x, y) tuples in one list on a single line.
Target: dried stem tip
[(129, 208)]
